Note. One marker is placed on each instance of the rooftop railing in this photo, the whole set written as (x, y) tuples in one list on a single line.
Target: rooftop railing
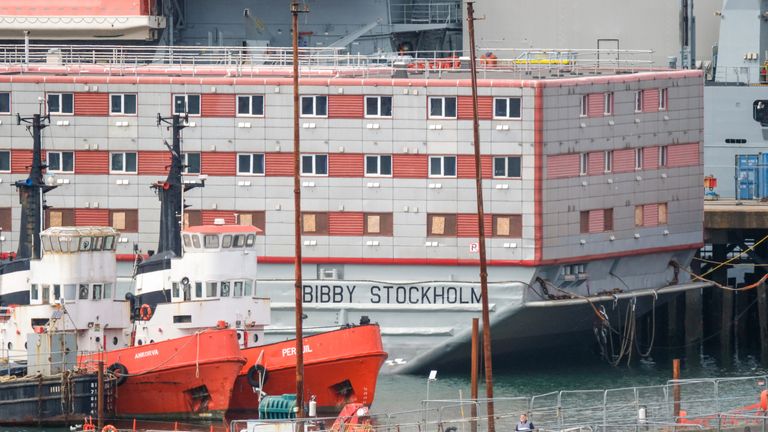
[(328, 62), (429, 12)]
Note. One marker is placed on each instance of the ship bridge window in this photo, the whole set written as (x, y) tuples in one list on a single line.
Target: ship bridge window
[(98, 242), (760, 112), (83, 290), (69, 291), (175, 290), (248, 288), (46, 243), (198, 290), (85, 244), (211, 241), (226, 241), (238, 291), (34, 292), (239, 241), (56, 292), (196, 242), (250, 240), (109, 243), (187, 241), (211, 289), (225, 289), (97, 291)]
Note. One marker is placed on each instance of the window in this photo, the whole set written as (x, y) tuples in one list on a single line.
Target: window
[(61, 103), (5, 103), (735, 141), (760, 112), (608, 103), (441, 225), (97, 294), (198, 290), (314, 223), (608, 161), (378, 106), (211, 289), (639, 101), (123, 162), (583, 163), (378, 166), (314, 106), (650, 215), (191, 163), (252, 105), (378, 224), (638, 158), (5, 161), (83, 292), (59, 217), (442, 107), (590, 221), (663, 96), (507, 226), (5, 219), (124, 220), (504, 108), (34, 292), (584, 106), (61, 161), (250, 163), (663, 156), (124, 104), (506, 167), (442, 166), (186, 104), (211, 241), (315, 164), (225, 289)]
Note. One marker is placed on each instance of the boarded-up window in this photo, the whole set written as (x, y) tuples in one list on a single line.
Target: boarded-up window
[(608, 219), (314, 223), (507, 226), (5, 219), (639, 215), (59, 217), (124, 220), (441, 225), (663, 214), (192, 218), (257, 219), (584, 222), (378, 224)]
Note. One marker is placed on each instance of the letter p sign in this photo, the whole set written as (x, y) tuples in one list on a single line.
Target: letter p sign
[(474, 247)]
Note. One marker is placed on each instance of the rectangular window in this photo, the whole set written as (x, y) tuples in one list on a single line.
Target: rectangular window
[(314, 223), (211, 289), (314, 106), (122, 104), (442, 166), (442, 107), (97, 294), (583, 163), (608, 161), (378, 106), (5, 103), (61, 103), (122, 162), (639, 101), (191, 163), (638, 158), (198, 290), (34, 292), (608, 219), (638, 216), (506, 167), (5, 161), (314, 165), (584, 106), (250, 163), (507, 226), (186, 103), (59, 217), (61, 161), (124, 220), (506, 108), (441, 225), (378, 166), (84, 290), (252, 105), (584, 222), (378, 224), (608, 103), (663, 156), (663, 96), (663, 214)]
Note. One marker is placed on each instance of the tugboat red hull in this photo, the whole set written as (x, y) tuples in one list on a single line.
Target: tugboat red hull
[(340, 367), (186, 378)]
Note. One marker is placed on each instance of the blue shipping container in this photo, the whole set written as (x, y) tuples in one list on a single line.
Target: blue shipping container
[(762, 175), (747, 176)]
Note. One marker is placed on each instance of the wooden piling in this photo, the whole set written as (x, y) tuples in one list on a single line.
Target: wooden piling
[(762, 309), (676, 387), (693, 325), (474, 365), (726, 324), (100, 397)]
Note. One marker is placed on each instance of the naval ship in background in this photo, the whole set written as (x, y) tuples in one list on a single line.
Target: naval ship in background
[(592, 159)]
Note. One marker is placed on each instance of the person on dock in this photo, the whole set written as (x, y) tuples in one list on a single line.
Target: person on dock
[(524, 424)]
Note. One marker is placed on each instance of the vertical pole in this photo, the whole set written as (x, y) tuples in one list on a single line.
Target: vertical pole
[(676, 387), (100, 396), (480, 221), (762, 308), (297, 213), (474, 362)]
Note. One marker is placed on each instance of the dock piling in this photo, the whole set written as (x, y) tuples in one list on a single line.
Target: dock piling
[(676, 387), (762, 308)]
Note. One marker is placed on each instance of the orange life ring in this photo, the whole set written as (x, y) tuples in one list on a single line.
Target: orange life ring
[(145, 313), (109, 428)]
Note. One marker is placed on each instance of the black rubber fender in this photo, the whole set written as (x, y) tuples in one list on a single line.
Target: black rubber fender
[(253, 376), (119, 371)]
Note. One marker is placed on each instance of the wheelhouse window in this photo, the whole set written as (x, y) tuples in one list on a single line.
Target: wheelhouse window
[(250, 164), (314, 106), (211, 289), (442, 166), (378, 166), (506, 108), (378, 106), (61, 161), (191, 163), (250, 105), (5, 103), (5, 161), (61, 103), (506, 167), (122, 163), (122, 104), (211, 241), (314, 165), (442, 107), (186, 104)]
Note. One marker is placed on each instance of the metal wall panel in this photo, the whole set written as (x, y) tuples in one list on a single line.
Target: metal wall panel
[(91, 104)]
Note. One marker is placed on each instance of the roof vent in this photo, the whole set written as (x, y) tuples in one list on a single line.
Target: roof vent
[(218, 221)]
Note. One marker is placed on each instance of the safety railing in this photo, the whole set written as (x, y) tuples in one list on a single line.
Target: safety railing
[(426, 12)]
